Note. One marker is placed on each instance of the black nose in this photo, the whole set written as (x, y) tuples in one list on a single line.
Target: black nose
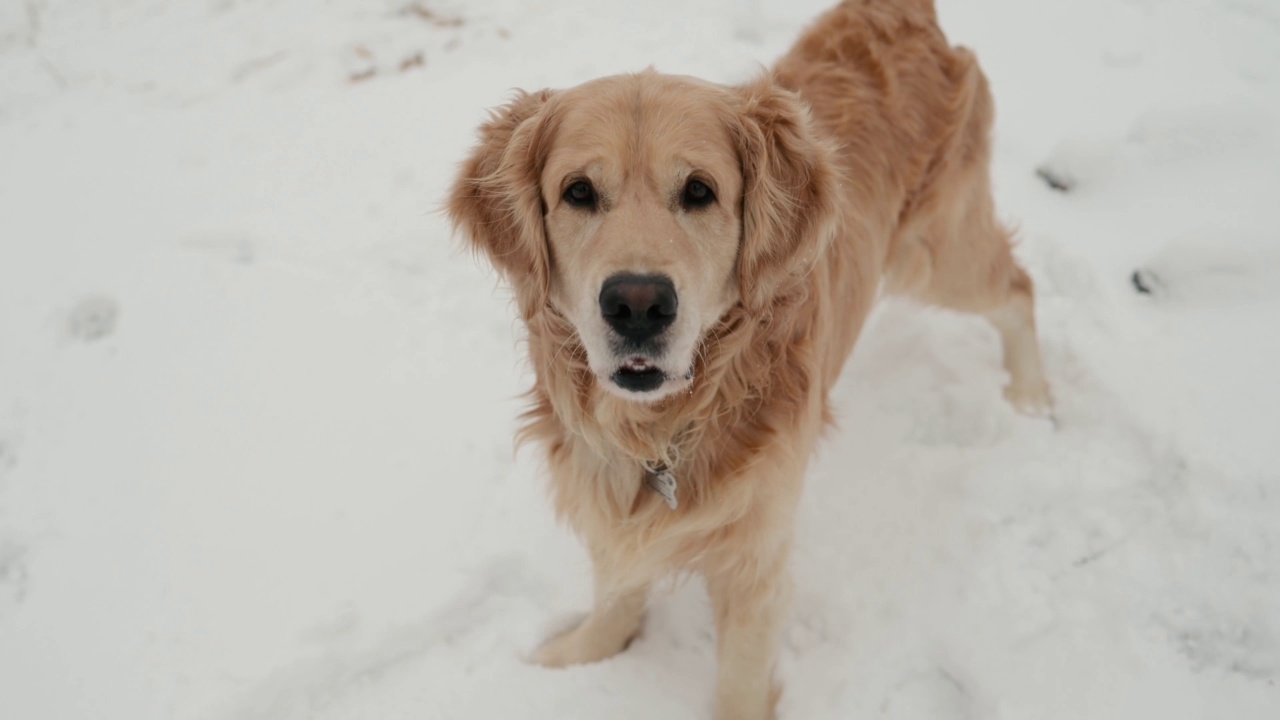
[(638, 307)]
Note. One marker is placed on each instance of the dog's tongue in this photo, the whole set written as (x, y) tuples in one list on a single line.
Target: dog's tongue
[(637, 364)]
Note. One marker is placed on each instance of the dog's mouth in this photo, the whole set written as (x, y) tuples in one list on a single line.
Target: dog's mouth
[(639, 378), (639, 375)]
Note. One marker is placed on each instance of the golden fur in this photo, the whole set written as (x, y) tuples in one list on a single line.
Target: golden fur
[(861, 159)]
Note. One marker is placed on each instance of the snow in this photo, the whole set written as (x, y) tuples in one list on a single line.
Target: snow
[(256, 408)]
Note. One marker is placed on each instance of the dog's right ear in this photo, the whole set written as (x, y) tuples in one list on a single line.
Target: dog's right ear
[(496, 201)]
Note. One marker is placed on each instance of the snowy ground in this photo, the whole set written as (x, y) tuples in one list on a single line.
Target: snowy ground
[(256, 410)]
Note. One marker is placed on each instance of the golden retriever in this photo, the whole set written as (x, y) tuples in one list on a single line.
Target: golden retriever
[(694, 263)]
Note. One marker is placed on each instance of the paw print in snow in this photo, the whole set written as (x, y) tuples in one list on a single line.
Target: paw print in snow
[(93, 318)]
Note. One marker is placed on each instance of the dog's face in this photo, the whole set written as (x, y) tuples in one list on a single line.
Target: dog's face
[(643, 193), (642, 208)]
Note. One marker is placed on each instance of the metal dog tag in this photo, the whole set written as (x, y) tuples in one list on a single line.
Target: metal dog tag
[(661, 481)]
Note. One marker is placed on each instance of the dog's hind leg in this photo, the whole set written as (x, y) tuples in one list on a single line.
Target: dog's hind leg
[(1015, 319), (963, 260)]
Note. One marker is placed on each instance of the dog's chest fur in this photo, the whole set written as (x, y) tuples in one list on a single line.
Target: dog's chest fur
[(728, 443)]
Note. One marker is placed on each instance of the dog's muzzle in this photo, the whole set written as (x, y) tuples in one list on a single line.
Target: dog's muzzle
[(638, 309)]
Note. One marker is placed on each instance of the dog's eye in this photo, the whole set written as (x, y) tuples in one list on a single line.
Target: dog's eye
[(697, 194), (581, 194)]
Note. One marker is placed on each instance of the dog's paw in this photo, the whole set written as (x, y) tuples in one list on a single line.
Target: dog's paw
[(579, 646), (1032, 399)]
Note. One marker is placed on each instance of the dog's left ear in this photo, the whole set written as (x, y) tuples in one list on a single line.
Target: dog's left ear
[(790, 192), (496, 201)]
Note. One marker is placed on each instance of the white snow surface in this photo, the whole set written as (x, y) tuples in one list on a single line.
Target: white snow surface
[(256, 408)]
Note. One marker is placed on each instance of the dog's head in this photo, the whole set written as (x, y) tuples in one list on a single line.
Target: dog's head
[(643, 207)]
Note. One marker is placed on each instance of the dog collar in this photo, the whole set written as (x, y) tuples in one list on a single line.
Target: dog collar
[(660, 479)]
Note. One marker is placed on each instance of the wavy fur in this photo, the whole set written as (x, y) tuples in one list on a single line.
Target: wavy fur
[(863, 158)]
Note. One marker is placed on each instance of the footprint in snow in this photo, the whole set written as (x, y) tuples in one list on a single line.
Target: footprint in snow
[(93, 318), (929, 695), (7, 456), (1077, 161), (483, 609), (1208, 638), (1161, 136), (1209, 275), (13, 575)]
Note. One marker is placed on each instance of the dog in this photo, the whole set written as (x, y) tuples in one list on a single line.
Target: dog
[(694, 262)]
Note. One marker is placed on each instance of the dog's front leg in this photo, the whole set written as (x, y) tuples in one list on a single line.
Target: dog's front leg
[(612, 624), (750, 607)]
